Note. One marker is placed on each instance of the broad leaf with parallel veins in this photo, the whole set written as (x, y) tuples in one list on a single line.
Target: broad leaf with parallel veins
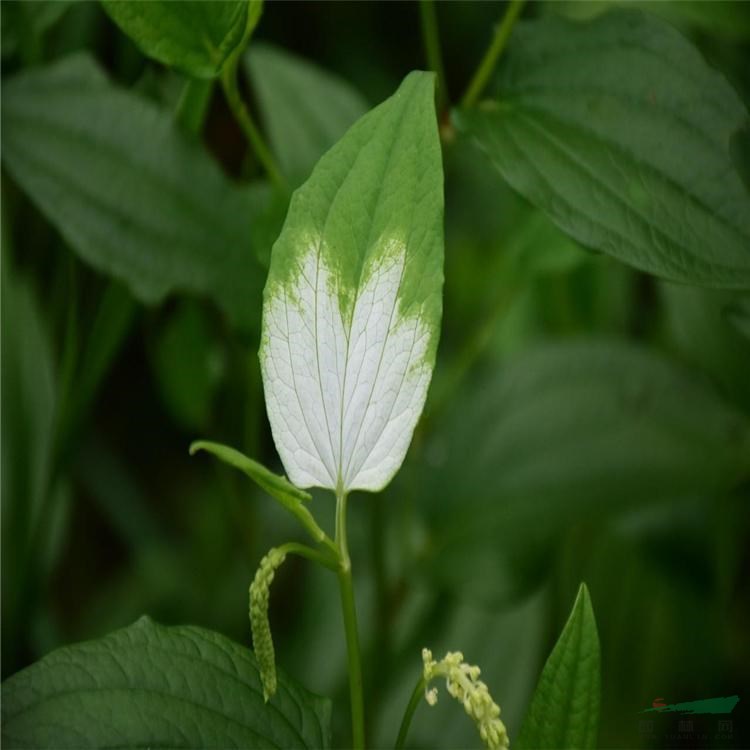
[(352, 303)]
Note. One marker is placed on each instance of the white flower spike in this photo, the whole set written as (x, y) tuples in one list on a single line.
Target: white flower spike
[(463, 683)]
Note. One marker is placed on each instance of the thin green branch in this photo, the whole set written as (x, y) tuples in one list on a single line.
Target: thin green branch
[(431, 39), (416, 697), (350, 627), (245, 121), (302, 550), (484, 71)]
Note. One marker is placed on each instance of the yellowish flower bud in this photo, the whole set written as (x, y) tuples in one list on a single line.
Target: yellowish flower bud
[(463, 683)]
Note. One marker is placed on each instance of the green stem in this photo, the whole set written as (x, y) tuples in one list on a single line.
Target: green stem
[(245, 121), (431, 39), (192, 106), (302, 550), (416, 697), (303, 515), (484, 71), (350, 626)]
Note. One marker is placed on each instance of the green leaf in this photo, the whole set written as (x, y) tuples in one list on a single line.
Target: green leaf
[(565, 433), (353, 300), (194, 36), (305, 109), (636, 165), (564, 710), (154, 686), (276, 486), (130, 192)]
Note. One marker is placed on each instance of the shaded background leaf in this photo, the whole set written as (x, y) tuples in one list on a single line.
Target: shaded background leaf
[(603, 154), (305, 108), (567, 431), (132, 195)]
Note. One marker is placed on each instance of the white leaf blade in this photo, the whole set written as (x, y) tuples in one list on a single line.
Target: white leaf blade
[(349, 336), (348, 395)]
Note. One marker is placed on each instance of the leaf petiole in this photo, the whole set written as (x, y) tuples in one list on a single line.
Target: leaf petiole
[(289, 496), (302, 550)]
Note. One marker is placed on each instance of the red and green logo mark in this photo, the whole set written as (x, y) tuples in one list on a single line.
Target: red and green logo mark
[(707, 706)]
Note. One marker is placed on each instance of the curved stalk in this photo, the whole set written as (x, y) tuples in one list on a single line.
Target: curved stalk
[(302, 550), (416, 697)]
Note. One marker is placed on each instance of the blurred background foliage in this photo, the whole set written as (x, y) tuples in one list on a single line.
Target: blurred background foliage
[(586, 421)]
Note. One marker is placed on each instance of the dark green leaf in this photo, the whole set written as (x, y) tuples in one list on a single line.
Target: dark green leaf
[(195, 36), (305, 109), (154, 686), (564, 711), (133, 195), (634, 164), (564, 433)]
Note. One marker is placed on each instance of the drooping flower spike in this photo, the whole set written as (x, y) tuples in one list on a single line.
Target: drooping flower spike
[(463, 683)]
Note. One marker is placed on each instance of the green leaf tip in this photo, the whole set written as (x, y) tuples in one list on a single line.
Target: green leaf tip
[(564, 709), (274, 484)]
